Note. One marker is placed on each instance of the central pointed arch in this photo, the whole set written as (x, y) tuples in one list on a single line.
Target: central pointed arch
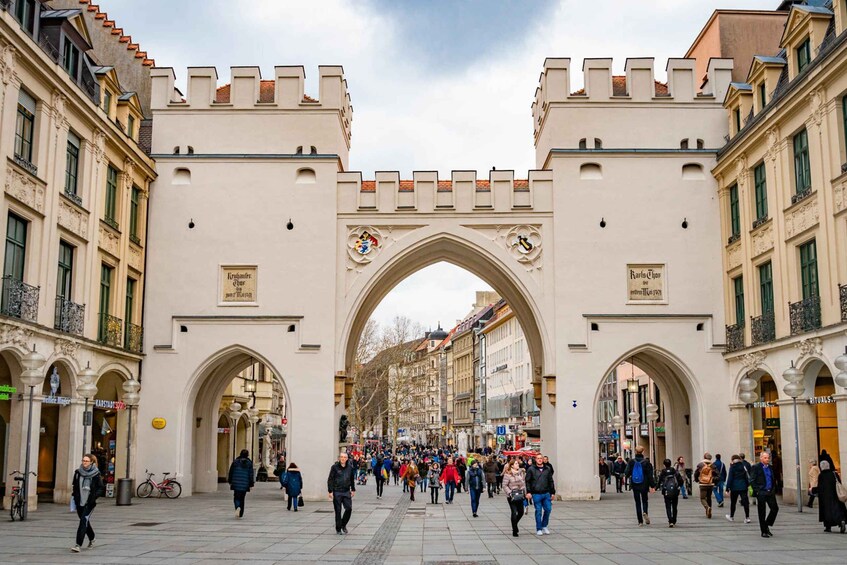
[(472, 254)]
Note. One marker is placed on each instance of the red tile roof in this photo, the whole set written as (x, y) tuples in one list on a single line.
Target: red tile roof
[(407, 186), (619, 87), (104, 18), (483, 185), (445, 186), (368, 186), (266, 93)]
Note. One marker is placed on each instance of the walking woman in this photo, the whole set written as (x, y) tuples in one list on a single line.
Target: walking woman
[(514, 485), (293, 481), (240, 479), (410, 477), (814, 472), (475, 485), (87, 486), (434, 480), (737, 483), (831, 511), (490, 470), (449, 477)]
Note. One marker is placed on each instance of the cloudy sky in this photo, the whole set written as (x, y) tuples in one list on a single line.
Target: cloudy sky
[(436, 85)]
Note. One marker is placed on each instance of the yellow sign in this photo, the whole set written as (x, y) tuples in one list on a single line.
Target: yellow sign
[(758, 434), (159, 423)]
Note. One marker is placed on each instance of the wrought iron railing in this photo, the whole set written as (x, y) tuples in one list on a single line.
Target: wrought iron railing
[(70, 316), (4, 4), (75, 198), (111, 222), (110, 330), (51, 50), (842, 295), (759, 221), (762, 328), (734, 337), (805, 315), (19, 300), (802, 195), (135, 239), (133, 338), (733, 238), (27, 165)]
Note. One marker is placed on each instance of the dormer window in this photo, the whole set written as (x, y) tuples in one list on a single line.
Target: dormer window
[(70, 59), (25, 14), (130, 126), (804, 55), (737, 114), (762, 95), (107, 101)]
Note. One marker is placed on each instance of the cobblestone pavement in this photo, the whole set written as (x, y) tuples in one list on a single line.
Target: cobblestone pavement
[(203, 529)]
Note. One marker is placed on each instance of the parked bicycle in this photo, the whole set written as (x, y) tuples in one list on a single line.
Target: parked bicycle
[(169, 487), (17, 509)]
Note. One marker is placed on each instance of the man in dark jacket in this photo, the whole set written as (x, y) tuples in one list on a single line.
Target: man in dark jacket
[(763, 481), (737, 481), (541, 488), (341, 486), (240, 479), (639, 472), (619, 468)]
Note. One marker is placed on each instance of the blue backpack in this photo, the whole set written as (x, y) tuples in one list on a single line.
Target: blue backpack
[(637, 473)]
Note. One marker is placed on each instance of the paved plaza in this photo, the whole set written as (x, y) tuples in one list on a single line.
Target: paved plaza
[(203, 529)]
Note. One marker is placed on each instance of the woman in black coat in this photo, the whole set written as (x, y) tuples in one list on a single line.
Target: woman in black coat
[(87, 485), (241, 480), (831, 511)]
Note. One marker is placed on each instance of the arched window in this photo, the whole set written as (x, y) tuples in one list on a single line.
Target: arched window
[(598, 143), (683, 144), (700, 144), (582, 144)]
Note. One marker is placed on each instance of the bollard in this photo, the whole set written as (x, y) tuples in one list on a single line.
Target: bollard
[(123, 496)]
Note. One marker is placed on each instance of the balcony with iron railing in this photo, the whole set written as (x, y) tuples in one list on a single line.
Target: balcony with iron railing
[(70, 317), (26, 164), (110, 330), (19, 300), (805, 315), (762, 329), (842, 296), (734, 337), (133, 338)]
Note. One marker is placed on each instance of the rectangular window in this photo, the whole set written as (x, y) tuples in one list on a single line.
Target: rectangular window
[(737, 114), (25, 126), (70, 58), (64, 284), (844, 118), (804, 56), (105, 299), (25, 14), (72, 164), (13, 265), (133, 215), (111, 196), (734, 212), (766, 287), (761, 188), (802, 168), (130, 126), (738, 291), (809, 269), (107, 101), (763, 99), (130, 300)]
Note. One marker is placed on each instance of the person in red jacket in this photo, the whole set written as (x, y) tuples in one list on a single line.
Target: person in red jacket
[(450, 477), (403, 467)]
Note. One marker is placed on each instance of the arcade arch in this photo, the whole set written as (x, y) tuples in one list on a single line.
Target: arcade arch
[(219, 429)]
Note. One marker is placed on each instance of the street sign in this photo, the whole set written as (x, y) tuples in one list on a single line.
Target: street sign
[(501, 439), (473, 410), (501, 430)]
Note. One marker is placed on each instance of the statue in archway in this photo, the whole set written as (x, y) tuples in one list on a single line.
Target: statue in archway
[(343, 423)]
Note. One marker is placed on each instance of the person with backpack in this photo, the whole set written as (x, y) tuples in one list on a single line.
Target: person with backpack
[(671, 483), (721, 480), (737, 483), (639, 472), (706, 476), (395, 470)]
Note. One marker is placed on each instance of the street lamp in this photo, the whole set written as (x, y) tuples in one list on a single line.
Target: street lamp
[(652, 416), (253, 416), (841, 365), (748, 396), (234, 414), (795, 388), (617, 423), (32, 376), (87, 389), (130, 398)]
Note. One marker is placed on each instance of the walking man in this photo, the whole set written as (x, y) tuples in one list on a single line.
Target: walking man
[(763, 481), (241, 480), (341, 486), (721, 480), (540, 488), (642, 481), (706, 476)]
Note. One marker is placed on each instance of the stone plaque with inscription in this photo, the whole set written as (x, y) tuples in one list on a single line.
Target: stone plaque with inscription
[(238, 284), (646, 283)]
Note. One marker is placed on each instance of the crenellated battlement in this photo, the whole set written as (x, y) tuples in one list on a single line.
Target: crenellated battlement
[(608, 106), (463, 192), (247, 90)]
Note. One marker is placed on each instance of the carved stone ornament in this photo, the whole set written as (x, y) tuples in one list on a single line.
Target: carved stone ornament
[(812, 346), (772, 136), (7, 63), (816, 105), (66, 348), (135, 258), (733, 256), (99, 145), (57, 109), (129, 168), (524, 243), (762, 240), (25, 189), (752, 361), (364, 244), (110, 242), (16, 336), (840, 196), (73, 219), (741, 170), (802, 218)]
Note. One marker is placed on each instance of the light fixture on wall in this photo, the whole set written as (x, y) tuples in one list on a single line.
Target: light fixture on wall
[(290, 225), (191, 224), (602, 222), (685, 223)]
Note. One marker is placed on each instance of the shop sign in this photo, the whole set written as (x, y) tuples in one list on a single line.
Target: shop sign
[(7, 391), (109, 404), (660, 429), (758, 434), (159, 423), (763, 404), (58, 400), (223, 430), (821, 400), (771, 422)]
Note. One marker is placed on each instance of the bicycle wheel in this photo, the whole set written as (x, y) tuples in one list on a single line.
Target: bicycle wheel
[(13, 508), (144, 490), (22, 509), (174, 490)]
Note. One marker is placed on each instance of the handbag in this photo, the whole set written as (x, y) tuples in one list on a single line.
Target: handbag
[(841, 491), (517, 494), (300, 501)]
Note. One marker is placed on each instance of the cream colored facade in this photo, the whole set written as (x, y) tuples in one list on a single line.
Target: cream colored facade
[(784, 263), (68, 223)]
